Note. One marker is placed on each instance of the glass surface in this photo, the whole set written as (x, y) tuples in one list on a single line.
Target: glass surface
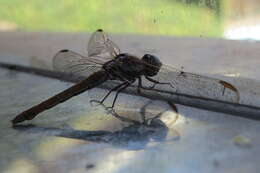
[(200, 18), (77, 136)]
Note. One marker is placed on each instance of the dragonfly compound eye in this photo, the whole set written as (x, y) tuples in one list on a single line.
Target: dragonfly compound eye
[(153, 64)]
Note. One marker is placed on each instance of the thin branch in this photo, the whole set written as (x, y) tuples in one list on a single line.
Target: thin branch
[(235, 109)]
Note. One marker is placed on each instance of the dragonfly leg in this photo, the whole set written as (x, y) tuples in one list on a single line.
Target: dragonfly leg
[(118, 91), (113, 89), (149, 120), (223, 92), (173, 106), (157, 82), (140, 86), (143, 111), (124, 119)]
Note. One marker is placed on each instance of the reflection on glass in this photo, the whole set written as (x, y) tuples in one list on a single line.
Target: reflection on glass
[(22, 166)]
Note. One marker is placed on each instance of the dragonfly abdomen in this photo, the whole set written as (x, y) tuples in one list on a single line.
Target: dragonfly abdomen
[(89, 83)]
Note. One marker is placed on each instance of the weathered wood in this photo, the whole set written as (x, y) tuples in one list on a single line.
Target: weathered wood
[(235, 109)]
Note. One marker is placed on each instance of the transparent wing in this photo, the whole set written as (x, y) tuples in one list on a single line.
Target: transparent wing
[(75, 64), (101, 46), (195, 85)]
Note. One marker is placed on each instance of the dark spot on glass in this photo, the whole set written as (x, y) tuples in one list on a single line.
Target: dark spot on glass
[(64, 50), (216, 163), (90, 166), (100, 30)]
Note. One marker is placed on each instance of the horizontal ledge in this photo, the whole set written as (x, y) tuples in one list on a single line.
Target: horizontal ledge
[(235, 109)]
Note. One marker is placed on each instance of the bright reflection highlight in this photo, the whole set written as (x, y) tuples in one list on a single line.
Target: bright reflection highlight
[(22, 166), (243, 33)]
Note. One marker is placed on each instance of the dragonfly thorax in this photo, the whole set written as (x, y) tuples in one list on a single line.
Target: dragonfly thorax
[(126, 67)]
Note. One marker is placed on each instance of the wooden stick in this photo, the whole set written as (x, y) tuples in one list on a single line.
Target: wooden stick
[(235, 109)]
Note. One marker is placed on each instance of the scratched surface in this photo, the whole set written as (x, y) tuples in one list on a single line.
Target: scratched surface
[(78, 137)]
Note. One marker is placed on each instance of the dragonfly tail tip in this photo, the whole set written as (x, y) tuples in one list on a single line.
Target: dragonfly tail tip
[(18, 119)]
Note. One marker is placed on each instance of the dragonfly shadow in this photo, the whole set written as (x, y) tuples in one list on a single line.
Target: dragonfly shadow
[(133, 137)]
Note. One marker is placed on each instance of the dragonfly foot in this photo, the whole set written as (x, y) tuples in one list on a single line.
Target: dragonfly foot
[(96, 101), (110, 110), (152, 87), (148, 121)]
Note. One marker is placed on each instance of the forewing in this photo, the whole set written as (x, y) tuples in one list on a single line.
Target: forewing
[(102, 47), (195, 85), (75, 64)]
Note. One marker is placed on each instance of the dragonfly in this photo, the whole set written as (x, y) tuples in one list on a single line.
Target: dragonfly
[(105, 62)]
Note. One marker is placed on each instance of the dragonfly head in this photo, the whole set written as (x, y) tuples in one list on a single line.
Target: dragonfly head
[(153, 64)]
